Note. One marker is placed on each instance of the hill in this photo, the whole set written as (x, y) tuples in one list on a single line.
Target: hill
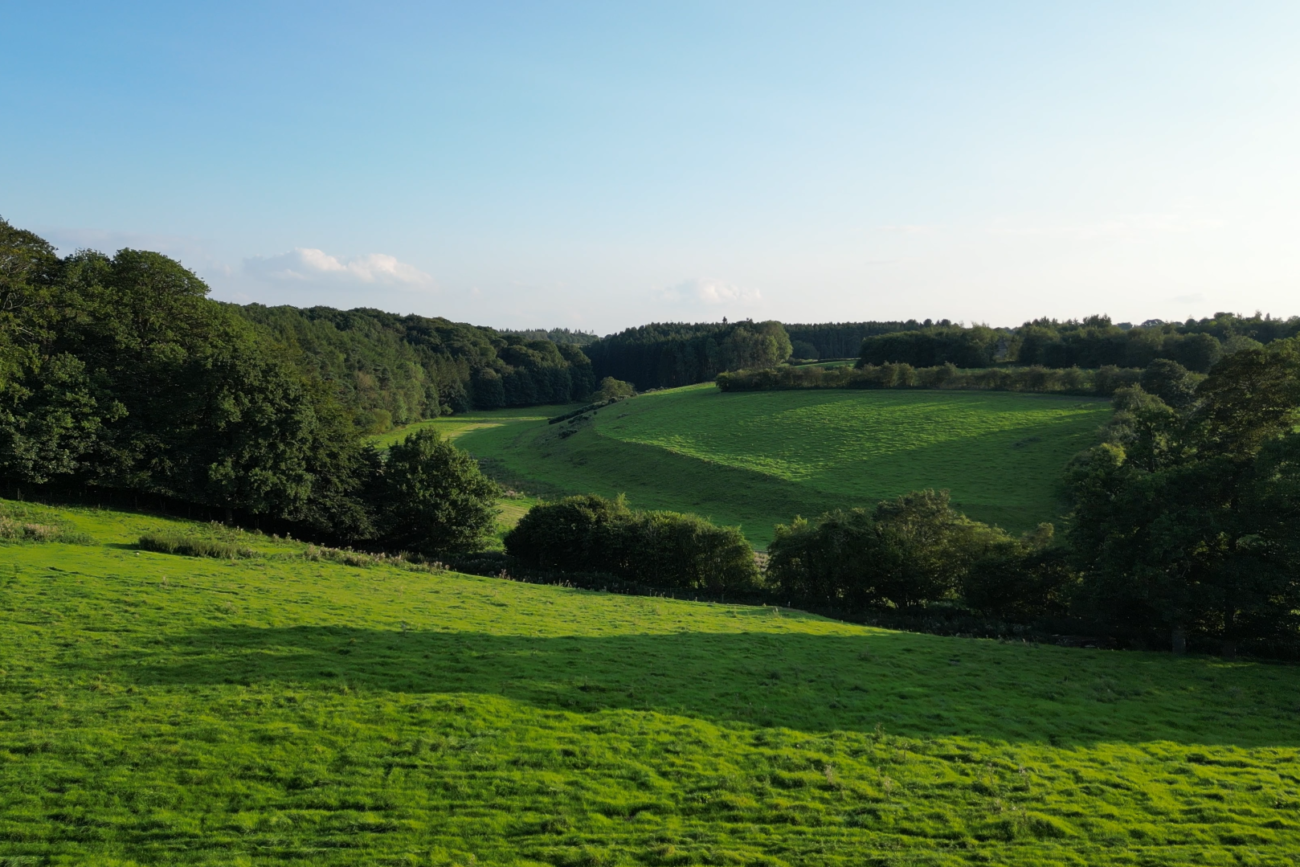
[(757, 459), (280, 709)]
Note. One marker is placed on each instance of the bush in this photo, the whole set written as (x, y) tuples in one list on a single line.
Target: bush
[(23, 531), (658, 549), (907, 552), (612, 389), (190, 546)]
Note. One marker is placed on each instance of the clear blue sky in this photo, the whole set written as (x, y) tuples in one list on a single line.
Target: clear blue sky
[(601, 165)]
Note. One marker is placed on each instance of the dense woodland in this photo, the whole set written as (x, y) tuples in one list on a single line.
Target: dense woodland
[(843, 339), (120, 374), (670, 354), (393, 370)]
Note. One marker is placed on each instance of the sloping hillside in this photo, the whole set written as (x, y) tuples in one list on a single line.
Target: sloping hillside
[(280, 709), (756, 459)]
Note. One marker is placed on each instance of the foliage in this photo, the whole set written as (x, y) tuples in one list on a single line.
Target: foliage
[(166, 710), (657, 549), (666, 355), (1093, 342), (949, 377), (1184, 520), (434, 497), (843, 339), (390, 369), (137, 381), (612, 389), (909, 551), (559, 336)]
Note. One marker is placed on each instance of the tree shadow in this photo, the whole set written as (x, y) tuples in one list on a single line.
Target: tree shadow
[(914, 685)]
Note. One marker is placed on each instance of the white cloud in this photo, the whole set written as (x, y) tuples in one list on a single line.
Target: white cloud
[(309, 265), (709, 292)]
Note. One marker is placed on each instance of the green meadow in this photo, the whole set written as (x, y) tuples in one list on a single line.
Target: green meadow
[(756, 459), (158, 709)]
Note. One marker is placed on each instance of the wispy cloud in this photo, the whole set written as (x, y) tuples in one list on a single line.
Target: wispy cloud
[(310, 265), (708, 292)]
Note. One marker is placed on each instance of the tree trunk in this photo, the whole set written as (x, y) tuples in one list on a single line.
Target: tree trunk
[(1178, 640)]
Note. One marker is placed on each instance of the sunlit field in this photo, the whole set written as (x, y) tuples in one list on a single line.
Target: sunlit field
[(759, 458), (158, 709)]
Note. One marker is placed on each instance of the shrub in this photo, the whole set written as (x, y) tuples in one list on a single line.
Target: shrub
[(907, 552), (191, 546), (23, 531), (658, 549)]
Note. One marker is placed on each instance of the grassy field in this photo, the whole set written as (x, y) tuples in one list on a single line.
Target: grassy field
[(157, 709), (756, 459)]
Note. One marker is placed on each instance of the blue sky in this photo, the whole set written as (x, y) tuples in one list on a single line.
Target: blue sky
[(601, 165)]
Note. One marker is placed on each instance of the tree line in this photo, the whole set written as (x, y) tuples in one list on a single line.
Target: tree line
[(1093, 342), (392, 370), (671, 354), (1097, 383), (844, 339)]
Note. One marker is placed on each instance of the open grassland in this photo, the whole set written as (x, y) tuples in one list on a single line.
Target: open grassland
[(759, 458), (453, 427), (157, 709)]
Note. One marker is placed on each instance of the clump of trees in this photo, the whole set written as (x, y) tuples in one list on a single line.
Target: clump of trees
[(666, 355), (915, 551), (664, 550), (1187, 518)]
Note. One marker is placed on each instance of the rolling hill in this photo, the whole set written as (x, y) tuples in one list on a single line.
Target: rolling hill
[(760, 458)]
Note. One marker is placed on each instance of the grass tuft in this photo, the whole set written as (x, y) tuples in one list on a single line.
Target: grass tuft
[(194, 546)]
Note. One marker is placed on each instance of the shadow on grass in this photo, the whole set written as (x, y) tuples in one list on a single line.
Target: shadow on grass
[(913, 685)]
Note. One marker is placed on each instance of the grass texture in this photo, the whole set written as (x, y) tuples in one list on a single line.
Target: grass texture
[(759, 458), (159, 709)]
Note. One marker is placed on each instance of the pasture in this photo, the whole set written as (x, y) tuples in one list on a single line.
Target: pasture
[(756, 459), (158, 709)]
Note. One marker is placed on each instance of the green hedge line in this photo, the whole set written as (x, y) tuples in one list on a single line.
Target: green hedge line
[(1102, 382)]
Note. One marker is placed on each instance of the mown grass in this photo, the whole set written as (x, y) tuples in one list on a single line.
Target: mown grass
[(758, 459), (157, 709)]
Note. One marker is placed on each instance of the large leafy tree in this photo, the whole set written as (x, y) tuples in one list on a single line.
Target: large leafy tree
[(434, 497)]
